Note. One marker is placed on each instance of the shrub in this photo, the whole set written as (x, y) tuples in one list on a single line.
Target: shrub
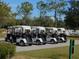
[(7, 50)]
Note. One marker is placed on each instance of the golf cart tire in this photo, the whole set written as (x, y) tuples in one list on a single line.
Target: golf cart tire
[(30, 44), (52, 41), (61, 41), (7, 40), (21, 43), (38, 42), (44, 43)]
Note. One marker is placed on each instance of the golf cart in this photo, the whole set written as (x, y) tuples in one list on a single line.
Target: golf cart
[(51, 35), (17, 34), (61, 32), (38, 35)]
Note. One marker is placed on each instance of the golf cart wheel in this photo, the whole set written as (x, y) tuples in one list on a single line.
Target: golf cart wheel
[(7, 40), (61, 41), (52, 41), (44, 43), (17, 44), (65, 40), (21, 43), (11, 41), (30, 44), (38, 42)]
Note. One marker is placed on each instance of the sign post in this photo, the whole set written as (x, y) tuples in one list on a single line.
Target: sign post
[(71, 49)]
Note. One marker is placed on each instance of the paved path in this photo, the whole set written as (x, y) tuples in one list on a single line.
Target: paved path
[(37, 47)]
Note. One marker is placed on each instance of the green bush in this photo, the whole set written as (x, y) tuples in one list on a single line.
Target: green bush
[(7, 50)]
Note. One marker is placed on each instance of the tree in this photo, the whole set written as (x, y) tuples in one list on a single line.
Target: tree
[(6, 15), (42, 6), (26, 21), (57, 7), (61, 23), (43, 21), (25, 9), (72, 15)]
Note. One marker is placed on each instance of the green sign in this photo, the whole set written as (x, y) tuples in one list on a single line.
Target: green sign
[(71, 49)]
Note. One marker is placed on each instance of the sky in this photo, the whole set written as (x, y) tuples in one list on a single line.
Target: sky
[(14, 3)]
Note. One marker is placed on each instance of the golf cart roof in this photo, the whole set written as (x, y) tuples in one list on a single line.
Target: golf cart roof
[(24, 27), (38, 27), (63, 29), (41, 28), (27, 27), (51, 28)]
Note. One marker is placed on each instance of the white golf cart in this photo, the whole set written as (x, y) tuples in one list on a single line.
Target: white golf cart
[(16, 34), (51, 35), (61, 32), (38, 35)]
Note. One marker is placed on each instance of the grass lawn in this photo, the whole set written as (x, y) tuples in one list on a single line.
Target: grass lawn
[(51, 53)]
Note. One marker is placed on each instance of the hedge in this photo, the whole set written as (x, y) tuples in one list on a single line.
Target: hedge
[(7, 50)]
